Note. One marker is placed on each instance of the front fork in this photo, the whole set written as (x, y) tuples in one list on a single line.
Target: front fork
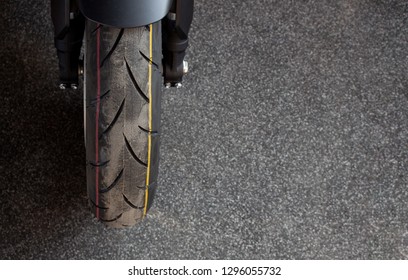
[(176, 26), (69, 25)]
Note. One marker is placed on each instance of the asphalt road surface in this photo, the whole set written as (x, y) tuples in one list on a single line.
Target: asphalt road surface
[(289, 139)]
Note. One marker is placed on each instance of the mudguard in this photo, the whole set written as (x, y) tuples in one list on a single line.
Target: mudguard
[(125, 13)]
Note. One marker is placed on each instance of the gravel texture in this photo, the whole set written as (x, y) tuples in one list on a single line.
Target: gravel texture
[(289, 139)]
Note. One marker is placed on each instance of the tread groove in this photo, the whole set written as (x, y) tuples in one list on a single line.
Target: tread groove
[(100, 207), (148, 59), (96, 29), (129, 148), (114, 183), (130, 203), (113, 47), (112, 220), (135, 84), (114, 119), (98, 164), (95, 100), (152, 133)]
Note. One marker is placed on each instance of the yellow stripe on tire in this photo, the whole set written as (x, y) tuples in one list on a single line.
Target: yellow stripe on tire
[(149, 139)]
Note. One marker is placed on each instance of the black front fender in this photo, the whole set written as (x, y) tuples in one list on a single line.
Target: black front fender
[(125, 13)]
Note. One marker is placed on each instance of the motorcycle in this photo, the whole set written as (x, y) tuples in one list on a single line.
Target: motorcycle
[(131, 48)]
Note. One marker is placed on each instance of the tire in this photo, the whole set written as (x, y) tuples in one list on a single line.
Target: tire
[(122, 120)]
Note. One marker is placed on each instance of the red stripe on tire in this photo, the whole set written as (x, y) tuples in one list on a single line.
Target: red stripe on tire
[(98, 96)]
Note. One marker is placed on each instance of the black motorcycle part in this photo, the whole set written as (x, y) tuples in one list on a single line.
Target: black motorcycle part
[(69, 25), (125, 13), (175, 40)]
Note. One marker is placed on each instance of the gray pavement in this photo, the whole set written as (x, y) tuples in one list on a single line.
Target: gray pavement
[(289, 139)]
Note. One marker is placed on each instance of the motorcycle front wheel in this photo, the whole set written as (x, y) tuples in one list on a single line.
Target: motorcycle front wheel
[(122, 120)]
